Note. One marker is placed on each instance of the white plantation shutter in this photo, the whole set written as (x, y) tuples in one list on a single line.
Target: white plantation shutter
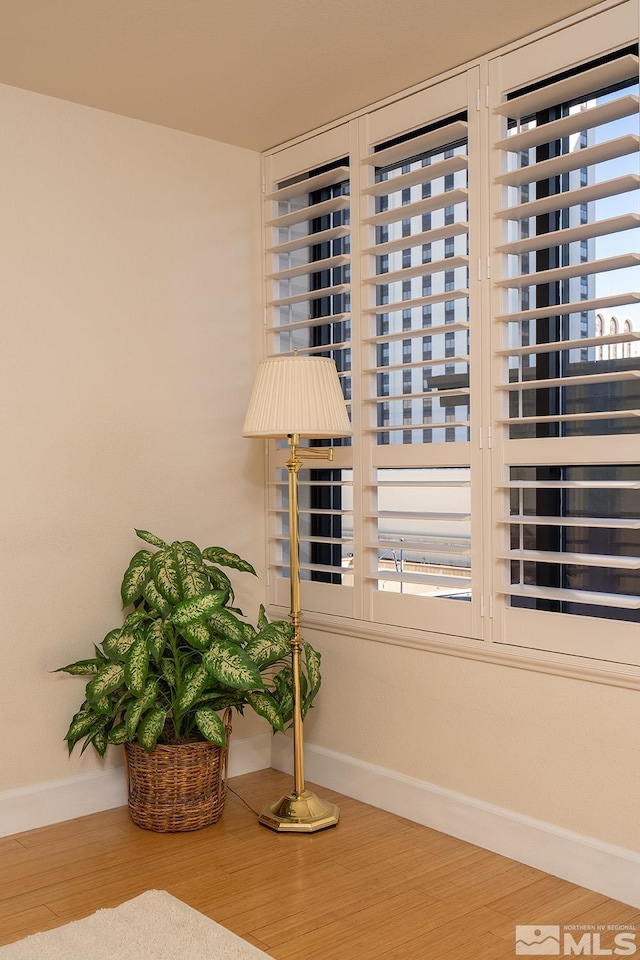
[(566, 296), (416, 335), (469, 254), (308, 311)]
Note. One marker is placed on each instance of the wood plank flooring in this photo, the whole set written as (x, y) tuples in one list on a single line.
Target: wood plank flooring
[(376, 887)]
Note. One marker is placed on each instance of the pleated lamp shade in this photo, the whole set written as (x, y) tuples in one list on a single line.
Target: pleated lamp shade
[(297, 395)]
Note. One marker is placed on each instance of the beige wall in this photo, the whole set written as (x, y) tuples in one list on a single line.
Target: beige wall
[(559, 750), (129, 263)]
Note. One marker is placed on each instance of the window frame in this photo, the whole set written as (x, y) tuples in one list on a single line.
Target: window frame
[(493, 634)]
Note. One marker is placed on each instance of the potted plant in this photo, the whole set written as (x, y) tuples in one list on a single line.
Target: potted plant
[(183, 654)]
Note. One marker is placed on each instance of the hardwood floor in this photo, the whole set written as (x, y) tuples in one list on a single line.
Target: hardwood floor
[(376, 886)]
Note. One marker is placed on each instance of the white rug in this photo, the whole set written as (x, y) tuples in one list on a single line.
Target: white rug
[(154, 926)]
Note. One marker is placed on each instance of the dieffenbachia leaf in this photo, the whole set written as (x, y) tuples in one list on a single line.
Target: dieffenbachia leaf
[(283, 681), (192, 551), (273, 643), (108, 679), (118, 734), (117, 644), (136, 708), (197, 634), (155, 599), (155, 639), (197, 609), (81, 723), (99, 741), (194, 683), (152, 539), (194, 584), (164, 570), (150, 728), (192, 581), (81, 668), (263, 620), (168, 668), (264, 704), (136, 575), (312, 662), (134, 619), (103, 706), (211, 726), (227, 626), (137, 666), (226, 559), (219, 580), (231, 665)]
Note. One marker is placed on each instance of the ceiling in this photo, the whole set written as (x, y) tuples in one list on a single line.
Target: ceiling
[(254, 73)]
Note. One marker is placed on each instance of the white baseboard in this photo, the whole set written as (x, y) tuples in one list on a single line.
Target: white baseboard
[(45, 803), (612, 871)]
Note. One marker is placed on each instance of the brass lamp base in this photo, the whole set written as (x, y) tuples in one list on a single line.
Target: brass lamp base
[(299, 813)]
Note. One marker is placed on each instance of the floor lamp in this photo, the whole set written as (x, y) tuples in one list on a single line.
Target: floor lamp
[(297, 397)]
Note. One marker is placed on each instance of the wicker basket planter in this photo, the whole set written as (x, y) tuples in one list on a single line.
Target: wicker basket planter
[(178, 787)]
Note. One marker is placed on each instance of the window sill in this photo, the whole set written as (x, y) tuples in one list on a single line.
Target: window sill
[(541, 661)]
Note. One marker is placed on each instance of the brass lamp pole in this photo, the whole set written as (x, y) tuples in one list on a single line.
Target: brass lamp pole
[(294, 396)]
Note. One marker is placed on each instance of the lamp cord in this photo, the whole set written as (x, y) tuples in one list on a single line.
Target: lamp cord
[(248, 806)]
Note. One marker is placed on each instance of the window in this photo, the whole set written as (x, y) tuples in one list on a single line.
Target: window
[(309, 312), (568, 466), (480, 296)]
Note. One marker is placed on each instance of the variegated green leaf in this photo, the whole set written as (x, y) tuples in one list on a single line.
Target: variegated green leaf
[(198, 635), (273, 643), (150, 693), (137, 666), (197, 609), (264, 704), (168, 668), (103, 706), (155, 599), (132, 717), (219, 580), (155, 639), (134, 619), (150, 728), (152, 539), (81, 668), (135, 708), (227, 626), (263, 620), (220, 701), (312, 663), (108, 679), (194, 683), (231, 665), (117, 644), (211, 726), (192, 551), (227, 559), (193, 582), (164, 570), (97, 738), (118, 734), (82, 722), (135, 576), (284, 692)]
